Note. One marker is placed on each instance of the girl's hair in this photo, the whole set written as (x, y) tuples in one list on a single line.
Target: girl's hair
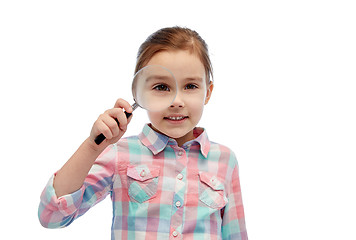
[(175, 38)]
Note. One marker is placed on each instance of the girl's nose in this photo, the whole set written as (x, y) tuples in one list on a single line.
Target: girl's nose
[(178, 101)]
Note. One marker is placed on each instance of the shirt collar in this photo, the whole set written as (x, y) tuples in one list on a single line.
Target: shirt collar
[(157, 142)]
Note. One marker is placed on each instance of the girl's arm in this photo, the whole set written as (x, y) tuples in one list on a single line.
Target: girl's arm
[(71, 176), (57, 212), (87, 176)]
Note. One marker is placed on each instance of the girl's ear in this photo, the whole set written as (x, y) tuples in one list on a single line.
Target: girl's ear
[(208, 92)]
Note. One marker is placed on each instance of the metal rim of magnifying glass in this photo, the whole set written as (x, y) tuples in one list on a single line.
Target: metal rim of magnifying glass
[(136, 104)]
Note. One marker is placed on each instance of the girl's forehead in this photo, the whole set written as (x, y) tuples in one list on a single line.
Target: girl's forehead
[(183, 64)]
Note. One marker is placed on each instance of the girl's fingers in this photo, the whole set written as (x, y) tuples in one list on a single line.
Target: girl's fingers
[(113, 122), (102, 127), (117, 113), (121, 103), (121, 117), (112, 126)]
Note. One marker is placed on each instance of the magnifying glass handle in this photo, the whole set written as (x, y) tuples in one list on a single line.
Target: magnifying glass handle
[(100, 138)]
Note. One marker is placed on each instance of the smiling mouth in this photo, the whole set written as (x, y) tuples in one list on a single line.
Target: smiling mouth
[(176, 118)]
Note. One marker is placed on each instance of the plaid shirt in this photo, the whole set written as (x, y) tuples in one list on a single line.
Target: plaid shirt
[(159, 190)]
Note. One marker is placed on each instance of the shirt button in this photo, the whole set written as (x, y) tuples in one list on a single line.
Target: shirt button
[(213, 181), (180, 176), (180, 153), (143, 173), (178, 204), (175, 233)]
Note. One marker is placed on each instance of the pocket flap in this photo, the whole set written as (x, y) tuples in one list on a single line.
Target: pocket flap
[(211, 180), (142, 172)]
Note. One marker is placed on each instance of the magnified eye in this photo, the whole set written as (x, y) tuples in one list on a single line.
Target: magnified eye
[(161, 87)]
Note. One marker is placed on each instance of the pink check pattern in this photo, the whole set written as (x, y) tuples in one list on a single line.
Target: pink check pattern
[(159, 190)]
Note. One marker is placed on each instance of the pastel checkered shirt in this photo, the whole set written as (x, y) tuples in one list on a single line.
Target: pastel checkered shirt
[(159, 190)]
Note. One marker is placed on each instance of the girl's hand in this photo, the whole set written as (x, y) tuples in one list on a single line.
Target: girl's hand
[(107, 125)]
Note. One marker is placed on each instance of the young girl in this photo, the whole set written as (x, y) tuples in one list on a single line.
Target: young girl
[(170, 181)]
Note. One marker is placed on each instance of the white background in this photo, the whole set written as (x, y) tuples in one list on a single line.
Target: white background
[(284, 101)]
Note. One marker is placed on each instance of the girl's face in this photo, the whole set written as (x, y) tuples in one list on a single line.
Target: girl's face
[(179, 120)]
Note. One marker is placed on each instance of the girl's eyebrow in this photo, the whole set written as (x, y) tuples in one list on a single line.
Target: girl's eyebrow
[(197, 79), (157, 77)]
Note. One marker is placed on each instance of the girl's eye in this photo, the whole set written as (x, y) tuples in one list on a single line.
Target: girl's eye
[(161, 87), (191, 86)]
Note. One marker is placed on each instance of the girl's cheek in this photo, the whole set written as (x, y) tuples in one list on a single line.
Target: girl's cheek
[(153, 116), (197, 101)]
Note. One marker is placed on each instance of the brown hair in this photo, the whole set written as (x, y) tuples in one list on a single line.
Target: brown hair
[(175, 38)]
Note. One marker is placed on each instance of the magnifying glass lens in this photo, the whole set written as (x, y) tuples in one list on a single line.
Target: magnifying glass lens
[(154, 88)]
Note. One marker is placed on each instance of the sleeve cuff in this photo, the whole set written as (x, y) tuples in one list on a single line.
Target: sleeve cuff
[(66, 204)]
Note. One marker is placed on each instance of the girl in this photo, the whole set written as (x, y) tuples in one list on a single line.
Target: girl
[(170, 181)]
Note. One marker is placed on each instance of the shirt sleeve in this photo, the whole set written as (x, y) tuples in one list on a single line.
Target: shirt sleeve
[(59, 212), (233, 223)]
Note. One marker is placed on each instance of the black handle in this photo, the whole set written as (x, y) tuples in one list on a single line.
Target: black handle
[(100, 138)]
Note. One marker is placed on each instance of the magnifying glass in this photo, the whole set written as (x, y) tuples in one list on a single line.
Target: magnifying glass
[(154, 88)]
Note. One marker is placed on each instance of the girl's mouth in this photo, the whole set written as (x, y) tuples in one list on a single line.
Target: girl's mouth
[(176, 119)]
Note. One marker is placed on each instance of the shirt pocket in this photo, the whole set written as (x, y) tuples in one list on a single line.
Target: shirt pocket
[(211, 191), (142, 182)]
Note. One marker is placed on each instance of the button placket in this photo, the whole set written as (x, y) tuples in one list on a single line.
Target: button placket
[(180, 185)]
